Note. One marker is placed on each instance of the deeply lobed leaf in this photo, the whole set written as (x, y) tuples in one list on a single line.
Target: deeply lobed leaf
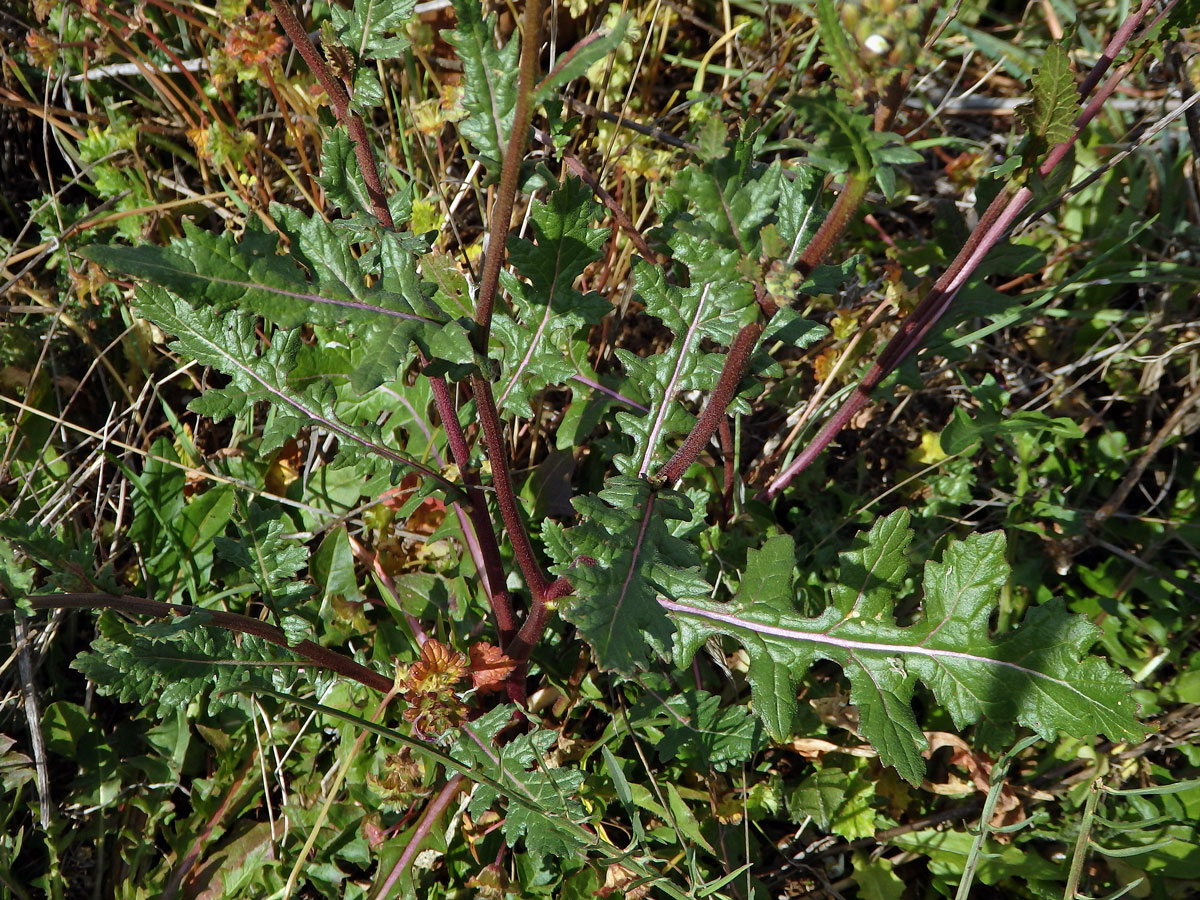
[(548, 313), (1035, 676), (373, 29), (229, 344), (712, 308), (489, 89), (168, 665), (271, 560), (543, 802), (619, 559), (383, 311)]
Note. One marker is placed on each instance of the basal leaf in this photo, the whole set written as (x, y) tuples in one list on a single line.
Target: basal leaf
[(621, 558), (229, 344), (1036, 676), (168, 665)]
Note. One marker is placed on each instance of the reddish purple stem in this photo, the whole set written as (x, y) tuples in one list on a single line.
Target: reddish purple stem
[(992, 227)]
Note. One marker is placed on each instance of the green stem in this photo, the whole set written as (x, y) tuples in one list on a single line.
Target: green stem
[(1081, 845)]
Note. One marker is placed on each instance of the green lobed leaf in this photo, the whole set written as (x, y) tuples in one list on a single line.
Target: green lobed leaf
[(271, 560), (543, 804), (725, 201), (800, 212), (839, 802), (383, 320), (489, 86), (373, 29), (1182, 16), (1036, 676), (714, 307), (165, 666), (340, 175), (875, 878), (67, 556), (549, 314), (620, 558), (230, 344), (1050, 115), (962, 431), (216, 270), (346, 190), (844, 139), (697, 732)]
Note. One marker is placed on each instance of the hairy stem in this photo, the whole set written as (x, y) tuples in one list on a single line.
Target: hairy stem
[(737, 361), (500, 223), (510, 510), (506, 193), (990, 230), (340, 101), (911, 333), (436, 807), (481, 520), (729, 466), (529, 635), (853, 191), (320, 656)]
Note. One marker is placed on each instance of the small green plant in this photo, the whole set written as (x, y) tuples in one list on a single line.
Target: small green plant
[(367, 378)]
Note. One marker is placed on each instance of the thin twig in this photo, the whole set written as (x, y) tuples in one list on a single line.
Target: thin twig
[(340, 101)]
